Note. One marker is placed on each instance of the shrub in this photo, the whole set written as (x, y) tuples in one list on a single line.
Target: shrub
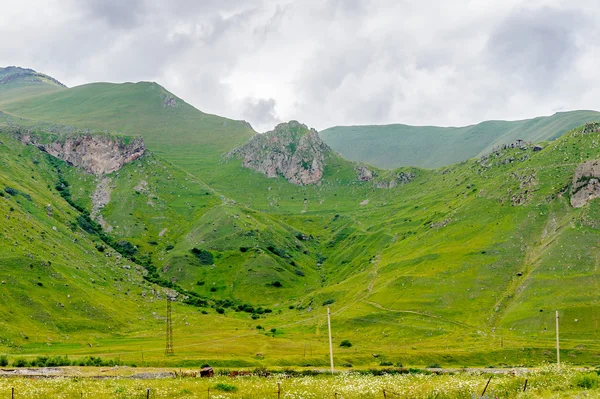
[(273, 330), (169, 247), (328, 302), (220, 310), (204, 312), (346, 344), (125, 248), (277, 284), (20, 362), (386, 363), (259, 327), (434, 366), (3, 360), (587, 381), (213, 289), (221, 386), (10, 190), (203, 256), (199, 282)]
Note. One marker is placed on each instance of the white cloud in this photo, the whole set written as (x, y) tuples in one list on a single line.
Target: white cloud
[(324, 63)]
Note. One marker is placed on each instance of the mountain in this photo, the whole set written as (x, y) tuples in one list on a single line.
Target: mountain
[(393, 146), (460, 265), (169, 126), (16, 83)]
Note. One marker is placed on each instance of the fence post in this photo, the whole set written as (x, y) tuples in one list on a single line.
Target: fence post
[(279, 390), (525, 386), (208, 392), (13, 393), (486, 386), (384, 395), (148, 393)]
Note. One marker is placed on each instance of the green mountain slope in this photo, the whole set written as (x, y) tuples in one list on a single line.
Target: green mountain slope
[(459, 265), (170, 127), (393, 146), (19, 83)]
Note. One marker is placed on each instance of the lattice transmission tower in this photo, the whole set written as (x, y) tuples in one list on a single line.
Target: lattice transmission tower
[(169, 345)]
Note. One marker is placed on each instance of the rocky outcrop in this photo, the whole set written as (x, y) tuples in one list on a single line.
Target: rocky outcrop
[(586, 183), (292, 150), (364, 174), (400, 179), (98, 154)]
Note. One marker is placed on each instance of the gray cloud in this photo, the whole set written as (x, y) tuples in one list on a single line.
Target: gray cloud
[(324, 62), (116, 13), (536, 46), (261, 111)]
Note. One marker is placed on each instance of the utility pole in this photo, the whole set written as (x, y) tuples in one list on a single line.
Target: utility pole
[(557, 342), (330, 341), (169, 344)]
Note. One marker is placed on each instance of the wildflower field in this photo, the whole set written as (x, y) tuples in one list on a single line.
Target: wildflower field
[(547, 382)]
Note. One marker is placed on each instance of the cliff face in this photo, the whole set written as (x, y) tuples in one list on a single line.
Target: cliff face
[(586, 183), (96, 154), (292, 150)]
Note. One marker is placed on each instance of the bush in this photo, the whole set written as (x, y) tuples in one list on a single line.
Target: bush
[(434, 366), (221, 386), (346, 344), (277, 284), (125, 248), (386, 363), (587, 381), (20, 362), (220, 310), (10, 190), (169, 247), (3, 360), (203, 256), (213, 289), (328, 302)]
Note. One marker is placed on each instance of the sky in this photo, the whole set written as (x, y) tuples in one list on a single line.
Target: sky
[(324, 62)]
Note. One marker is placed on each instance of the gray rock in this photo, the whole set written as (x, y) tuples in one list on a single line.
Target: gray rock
[(97, 154), (586, 183), (292, 150)]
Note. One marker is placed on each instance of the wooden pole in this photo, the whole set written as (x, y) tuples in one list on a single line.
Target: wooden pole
[(384, 394), (148, 393), (208, 392), (330, 341), (557, 342), (525, 386), (279, 390), (13, 393), (486, 386)]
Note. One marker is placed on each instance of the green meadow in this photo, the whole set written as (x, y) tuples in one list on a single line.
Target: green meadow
[(463, 266)]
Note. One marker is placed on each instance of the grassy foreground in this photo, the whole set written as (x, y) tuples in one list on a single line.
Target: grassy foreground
[(547, 382)]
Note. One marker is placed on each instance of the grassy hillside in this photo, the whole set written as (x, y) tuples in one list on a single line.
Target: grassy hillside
[(170, 127), (393, 146), (19, 83), (465, 264)]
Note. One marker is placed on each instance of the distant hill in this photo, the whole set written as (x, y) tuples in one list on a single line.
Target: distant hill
[(169, 126), (16, 83), (393, 146)]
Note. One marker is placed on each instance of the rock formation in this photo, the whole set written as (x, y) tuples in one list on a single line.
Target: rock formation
[(291, 150), (364, 174), (586, 183), (400, 179), (98, 154)]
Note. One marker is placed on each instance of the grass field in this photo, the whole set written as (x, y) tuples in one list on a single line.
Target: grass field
[(547, 382), (465, 265)]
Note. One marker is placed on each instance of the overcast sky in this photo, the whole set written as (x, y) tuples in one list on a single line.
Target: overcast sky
[(324, 62)]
